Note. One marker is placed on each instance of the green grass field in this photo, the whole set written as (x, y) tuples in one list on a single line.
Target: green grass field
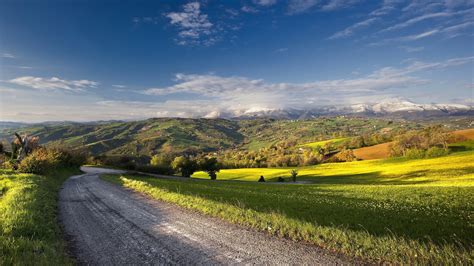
[(29, 232), (397, 210)]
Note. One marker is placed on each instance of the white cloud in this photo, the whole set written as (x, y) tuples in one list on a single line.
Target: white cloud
[(54, 83), (387, 7), (339, 4), (6, 55), (448, 31), (228, 94), (300, 6), (212, 94), (416, 20), (249, 9), (456, 30), (264, 2), (418, 36), (281, 50), (193, 25), (351, 29), (412, 49), (119, 86)]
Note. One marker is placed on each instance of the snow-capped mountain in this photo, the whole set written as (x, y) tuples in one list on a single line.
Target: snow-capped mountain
[(398, 107)]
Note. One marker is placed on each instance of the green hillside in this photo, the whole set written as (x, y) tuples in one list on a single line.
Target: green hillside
[(178, 135)]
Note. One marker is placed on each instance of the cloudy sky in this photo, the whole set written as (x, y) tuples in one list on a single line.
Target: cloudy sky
[(97, 60)]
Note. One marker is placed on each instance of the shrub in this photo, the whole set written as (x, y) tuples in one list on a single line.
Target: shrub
[(345, 155), (184, 165), (161, 164), (415, 154), (436, 152), (293, 174), (43, 160)]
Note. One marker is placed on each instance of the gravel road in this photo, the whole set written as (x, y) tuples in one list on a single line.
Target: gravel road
[(108, 225)]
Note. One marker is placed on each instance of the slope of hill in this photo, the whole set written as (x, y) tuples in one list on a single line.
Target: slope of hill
[(382, 151), (178, 135)]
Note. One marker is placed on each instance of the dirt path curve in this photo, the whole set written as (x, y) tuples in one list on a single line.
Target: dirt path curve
[(109, 225)]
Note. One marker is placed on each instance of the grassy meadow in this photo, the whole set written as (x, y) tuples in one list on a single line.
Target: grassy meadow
[(396, 210), (335, 141), (29, 232)]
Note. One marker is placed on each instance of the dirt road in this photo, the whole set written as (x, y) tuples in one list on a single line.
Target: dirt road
[(109, 225)]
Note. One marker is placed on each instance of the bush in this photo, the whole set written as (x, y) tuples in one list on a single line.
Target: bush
[(345, 155), (161, 164), (184, 165), (293, 174), (154, 169), (43, 160), (436, 152), (415, 154)]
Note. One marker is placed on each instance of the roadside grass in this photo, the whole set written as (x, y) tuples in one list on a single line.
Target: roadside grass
[(403, 211), (29, 232)]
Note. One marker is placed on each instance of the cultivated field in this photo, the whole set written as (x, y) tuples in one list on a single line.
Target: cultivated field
[(409, 211)]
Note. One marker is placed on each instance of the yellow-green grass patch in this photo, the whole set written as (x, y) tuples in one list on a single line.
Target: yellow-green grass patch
[(324, 142), (452, 170), (29, 232), (405, 211)]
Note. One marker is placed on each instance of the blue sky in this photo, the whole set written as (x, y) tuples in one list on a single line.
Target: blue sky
[(90, 60)]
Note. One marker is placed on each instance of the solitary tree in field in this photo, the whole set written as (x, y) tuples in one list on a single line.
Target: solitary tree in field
[(294, 173), (184, 165), (210, 166)]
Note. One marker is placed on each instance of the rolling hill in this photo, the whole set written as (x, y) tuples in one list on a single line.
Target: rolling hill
[(186, 135)]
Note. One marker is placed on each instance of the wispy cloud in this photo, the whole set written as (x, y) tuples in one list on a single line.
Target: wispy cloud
[(351, 29), (6, 55), (249, 9), (456, 30), (300, 6), (338, 4), (194, 27), (119, 86), (447, 31), (235, 93), (54, 83), (264, 2), (412, 49), (416, 20), (281, 50)]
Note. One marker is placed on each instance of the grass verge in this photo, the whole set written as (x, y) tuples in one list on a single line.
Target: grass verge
[(419, 212), (29, 232)]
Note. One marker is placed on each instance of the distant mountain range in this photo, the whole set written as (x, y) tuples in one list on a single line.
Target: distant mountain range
[(393, 108)]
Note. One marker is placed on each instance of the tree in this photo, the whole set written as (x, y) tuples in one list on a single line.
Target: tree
[(210, 166), (345, 155), (162, 163), (293, 174), (184, 165), (22, 146)]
